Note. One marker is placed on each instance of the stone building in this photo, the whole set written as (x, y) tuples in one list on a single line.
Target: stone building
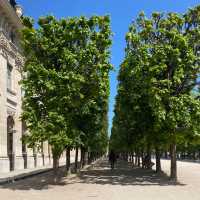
[(13, 154)]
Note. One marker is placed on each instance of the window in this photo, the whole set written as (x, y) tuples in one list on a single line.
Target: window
[(9, 77), (12, 37)]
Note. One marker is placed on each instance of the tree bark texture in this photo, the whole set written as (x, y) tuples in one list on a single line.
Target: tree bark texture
[(173, 173), (68, 159), (76, 160), (158, 163)]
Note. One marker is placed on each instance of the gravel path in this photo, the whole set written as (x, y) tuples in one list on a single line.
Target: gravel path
[(100, 183)]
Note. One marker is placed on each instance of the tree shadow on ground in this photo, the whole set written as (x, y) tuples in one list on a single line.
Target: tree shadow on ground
[(42, 181), (124, 174)]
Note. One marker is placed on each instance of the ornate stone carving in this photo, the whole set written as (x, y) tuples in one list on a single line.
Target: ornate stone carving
[(9, 49)]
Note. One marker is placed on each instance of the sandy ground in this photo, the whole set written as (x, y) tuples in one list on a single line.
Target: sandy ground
[(100, 183)]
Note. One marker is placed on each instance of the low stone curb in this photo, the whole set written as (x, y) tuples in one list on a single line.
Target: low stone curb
[(23, 175)]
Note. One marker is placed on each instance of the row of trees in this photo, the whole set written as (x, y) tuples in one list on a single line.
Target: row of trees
[(66, 84), (156, 105)]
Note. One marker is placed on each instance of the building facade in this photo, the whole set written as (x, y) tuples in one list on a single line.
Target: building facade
[(13, 154)]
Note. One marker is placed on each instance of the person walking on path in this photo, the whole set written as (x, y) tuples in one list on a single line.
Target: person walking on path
[(112, 159)]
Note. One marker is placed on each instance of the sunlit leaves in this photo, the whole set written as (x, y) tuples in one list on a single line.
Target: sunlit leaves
[(66, 80), (156, 79)]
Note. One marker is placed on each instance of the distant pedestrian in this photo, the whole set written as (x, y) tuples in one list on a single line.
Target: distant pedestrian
[(112, 159), (147, 163)]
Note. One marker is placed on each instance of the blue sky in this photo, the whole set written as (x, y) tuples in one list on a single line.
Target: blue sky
[(122, 12)]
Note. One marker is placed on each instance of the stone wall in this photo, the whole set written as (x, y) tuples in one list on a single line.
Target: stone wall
[(11, 99)]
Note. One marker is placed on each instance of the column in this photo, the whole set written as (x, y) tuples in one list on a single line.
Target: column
[(18, 123), (4, 161)]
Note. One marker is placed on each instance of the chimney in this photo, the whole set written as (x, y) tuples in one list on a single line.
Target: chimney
[(18, 10)]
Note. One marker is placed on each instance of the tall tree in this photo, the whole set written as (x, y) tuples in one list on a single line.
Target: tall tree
[(158, 74), (65, 76)]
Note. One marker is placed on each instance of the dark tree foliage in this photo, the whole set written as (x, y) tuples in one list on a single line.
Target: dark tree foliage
[(66, 83), (155, 107)]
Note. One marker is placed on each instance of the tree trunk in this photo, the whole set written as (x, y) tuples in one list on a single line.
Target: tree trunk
[(132, 157), (138, 160), (135, 160), (68, 159), (173, 161), (55, 167), (158, 163), (89, 158), (85, 157), (76, 160), (194, 156), (149, 157), (143, 161), (82, 157), (166, 155)]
